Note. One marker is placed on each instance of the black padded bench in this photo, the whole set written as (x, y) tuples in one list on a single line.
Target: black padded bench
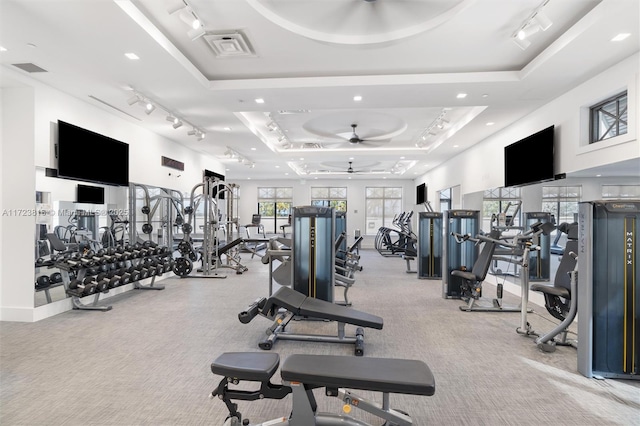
[(334, 373), (286, 304)]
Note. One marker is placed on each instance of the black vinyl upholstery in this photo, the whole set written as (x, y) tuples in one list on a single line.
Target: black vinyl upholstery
[(371, 374), (251, 366), (301, 305), (481, 265)]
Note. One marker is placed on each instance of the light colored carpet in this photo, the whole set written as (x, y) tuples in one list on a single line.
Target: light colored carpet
[(147, 361)]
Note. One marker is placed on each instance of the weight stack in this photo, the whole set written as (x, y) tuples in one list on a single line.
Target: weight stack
[(313, 251), (608, 297)]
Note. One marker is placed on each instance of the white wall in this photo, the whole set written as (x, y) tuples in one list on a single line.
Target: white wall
[(18, 204), (248, 203), (29, 117), (483, 163)]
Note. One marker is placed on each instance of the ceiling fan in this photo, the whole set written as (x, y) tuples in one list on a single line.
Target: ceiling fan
[(350, 169), (355, 139)]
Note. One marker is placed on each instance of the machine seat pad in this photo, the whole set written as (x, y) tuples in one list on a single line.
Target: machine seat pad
[(317, 308), (371, 374), (465, 275), (251, 366), (552, 290)]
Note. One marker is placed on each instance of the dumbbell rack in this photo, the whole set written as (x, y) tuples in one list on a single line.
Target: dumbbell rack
[(67, 265)]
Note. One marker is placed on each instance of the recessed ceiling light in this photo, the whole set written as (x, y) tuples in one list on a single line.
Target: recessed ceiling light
[(620, 37), (228, 129), (226, 170), (490, 123), (316, 177), (461, 95), (259, 100), (132, 56), (286, 174), (351, 158), (402, 158), (455, 146), (357, 98), (485, 95), (349, 177), (253, 149), (301, 158), (598, 175), (3, 49), (383, 177), (277, 167), (248, 178)]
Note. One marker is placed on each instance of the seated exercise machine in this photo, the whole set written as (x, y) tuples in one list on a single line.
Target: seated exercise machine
[(520, 246), (561, 298), (302, 374), (286, 304)]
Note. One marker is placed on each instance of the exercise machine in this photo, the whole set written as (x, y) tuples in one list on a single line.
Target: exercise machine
[(539, 260), (313, 251), (608, 296), (338, 375), (287, 304), (430, 234), (458, 256), (561, 297)]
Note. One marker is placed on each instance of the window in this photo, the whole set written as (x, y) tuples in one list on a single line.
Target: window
[(445, 199), (275, 202), (335, 197), (609, 118), (501, 200), (617, 192), (382, 205), (561, 202)]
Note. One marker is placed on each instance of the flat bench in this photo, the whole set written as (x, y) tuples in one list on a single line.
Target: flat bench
[(335, 373)]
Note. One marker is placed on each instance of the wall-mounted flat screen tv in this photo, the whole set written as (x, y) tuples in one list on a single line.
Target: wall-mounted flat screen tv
[(92, 157), (530, 160), (421, 193), (90, 194)]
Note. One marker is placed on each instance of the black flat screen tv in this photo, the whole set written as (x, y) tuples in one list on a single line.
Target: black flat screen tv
[(90, 194), (91, 157), (530, 160), (421, 193)]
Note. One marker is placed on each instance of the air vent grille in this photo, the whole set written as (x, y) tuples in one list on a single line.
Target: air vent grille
[(229, 44), (29, 67)]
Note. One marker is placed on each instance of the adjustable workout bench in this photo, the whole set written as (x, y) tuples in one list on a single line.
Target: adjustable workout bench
[(286, 304), (303, 373)]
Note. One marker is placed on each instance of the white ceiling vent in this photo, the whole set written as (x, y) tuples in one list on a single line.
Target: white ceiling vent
[(29, 67), (229, 44)]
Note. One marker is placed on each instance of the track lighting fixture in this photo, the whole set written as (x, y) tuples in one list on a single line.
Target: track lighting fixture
[(537, 21), (176, 122), (234, 155), (432, 129), (187, 15)]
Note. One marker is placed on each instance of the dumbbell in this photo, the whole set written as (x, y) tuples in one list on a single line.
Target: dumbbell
[(134, 274), (121, 275), (55, 278), (102, 282), (43, 281), (83, 287)]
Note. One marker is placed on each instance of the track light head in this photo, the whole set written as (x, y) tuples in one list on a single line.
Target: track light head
[(149, 108), (133, 100), (543, 21), (528, 30), (191, 132), (177, 123)]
